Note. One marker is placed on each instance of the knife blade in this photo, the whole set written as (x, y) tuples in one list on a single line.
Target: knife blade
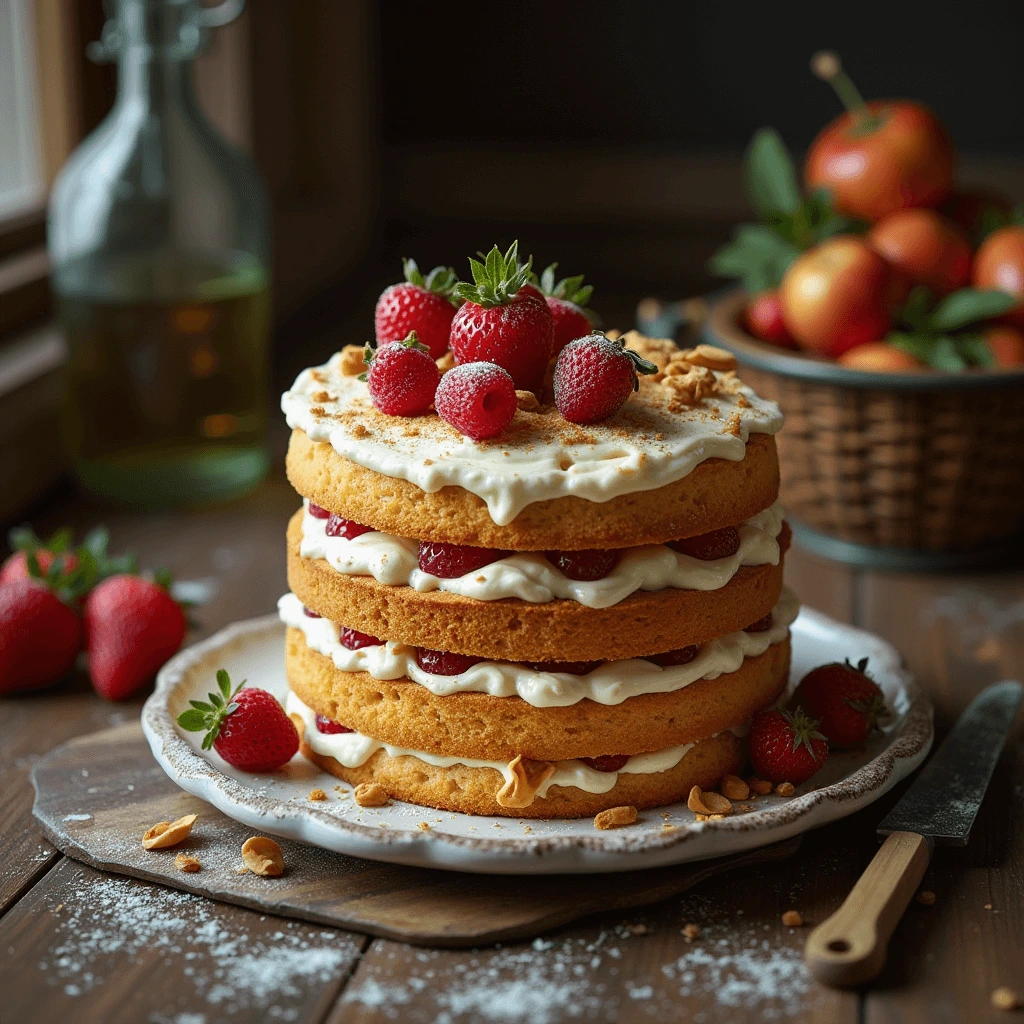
[(940, 807), (943, 802)]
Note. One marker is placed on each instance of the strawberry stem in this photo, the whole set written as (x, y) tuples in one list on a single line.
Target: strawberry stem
[(209, 717)]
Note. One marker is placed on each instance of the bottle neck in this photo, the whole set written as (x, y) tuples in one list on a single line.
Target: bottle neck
[(157, 81)]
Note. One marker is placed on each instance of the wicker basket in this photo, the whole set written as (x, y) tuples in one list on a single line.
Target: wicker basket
[(927, 462)]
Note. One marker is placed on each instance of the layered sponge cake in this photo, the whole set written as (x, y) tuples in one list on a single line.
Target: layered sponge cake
[(557, 620)]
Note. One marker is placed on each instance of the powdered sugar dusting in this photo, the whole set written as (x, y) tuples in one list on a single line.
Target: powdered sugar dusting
[(104, 922)]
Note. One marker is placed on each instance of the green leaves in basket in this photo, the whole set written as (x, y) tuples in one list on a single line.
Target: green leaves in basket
[(760, 254), (932, 329)]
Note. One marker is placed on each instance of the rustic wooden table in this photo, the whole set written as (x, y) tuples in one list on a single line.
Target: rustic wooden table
[(78, 945)]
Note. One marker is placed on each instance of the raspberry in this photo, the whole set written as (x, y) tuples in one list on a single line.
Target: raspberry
[(444, 663), (317, 512), (574, 668), (761, 626), (477, 399), (680, 656), (402, 377), (310, 614), (353, 640), (594, 376), (325, 725), (338, 527), (709, 546), (450, 561), (606, 762), (583, 565)]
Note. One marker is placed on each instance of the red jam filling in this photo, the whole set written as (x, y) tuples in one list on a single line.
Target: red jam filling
[(680, 656), (325, 725), (450, 561), (586, 566), (709, 546), (354, 640), (761, 626), (606, 762), (444, 663), (338, 527)]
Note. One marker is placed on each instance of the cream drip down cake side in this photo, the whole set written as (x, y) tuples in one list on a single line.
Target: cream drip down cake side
[(557, 620)]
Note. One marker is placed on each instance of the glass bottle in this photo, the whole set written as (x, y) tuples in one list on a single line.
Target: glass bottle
[(159, 240)]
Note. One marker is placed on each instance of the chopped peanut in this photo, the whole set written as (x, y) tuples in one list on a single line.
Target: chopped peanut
[(1004, 998), (708, 802), (785, 789), (183, 862), (615, 817), (317, 795), (691, 932), (762, 787), (262, 856), (168, 833), (370, 794), (734, 787), (792, 919)]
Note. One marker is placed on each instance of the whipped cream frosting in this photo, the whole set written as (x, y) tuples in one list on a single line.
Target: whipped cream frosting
[(610, 683), (353, 749), (539, 457), (529, 576)]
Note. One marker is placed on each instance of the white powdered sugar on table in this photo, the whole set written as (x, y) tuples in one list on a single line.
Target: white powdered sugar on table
[(108, 921)]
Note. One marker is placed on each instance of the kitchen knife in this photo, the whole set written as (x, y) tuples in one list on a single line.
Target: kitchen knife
[(940, 807)]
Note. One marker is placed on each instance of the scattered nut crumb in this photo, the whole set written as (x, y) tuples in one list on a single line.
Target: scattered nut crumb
[(668, 828), (615, 817), (446, 362), (423, 826), (168, 833), (762, 787), (988, 906), (263, 856), (637, 929), (1004, 998), (370, 794), (734, 787), (183, 862), (785, 789), (708, 803), (359, 430), (746, 807), (241, 870), (352, 361), (926, 897), (527, 829), (526, 401), (792, 919), (691, 931), (317, 794)]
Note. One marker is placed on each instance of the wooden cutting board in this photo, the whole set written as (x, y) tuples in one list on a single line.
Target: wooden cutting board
[(96, 795)]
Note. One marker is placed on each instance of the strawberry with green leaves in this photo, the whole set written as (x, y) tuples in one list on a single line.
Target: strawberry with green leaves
[(247, 727), (847, 702), (132, 627), (425, 305), (504, 319), (567, 300), (786, 746)]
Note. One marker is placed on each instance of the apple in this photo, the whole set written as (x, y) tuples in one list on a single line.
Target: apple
[(763, 319), (999, 264), (878, 157), (1006, 345), (926, 247), (880, 357), (840, 294)]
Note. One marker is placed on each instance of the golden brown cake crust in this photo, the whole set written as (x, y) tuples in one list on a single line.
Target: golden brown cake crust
[(717, 493), (473, 790), (477, 725), (646, 622)]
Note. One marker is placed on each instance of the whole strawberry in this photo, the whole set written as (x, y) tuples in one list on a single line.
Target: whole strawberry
[(846, 701), (247, 727), (40, 636), (46, 553), (594, 376), (477, 399), (786, 746), (425, 305), (402, 377), (503, 319), (132, 626), (567, 300)]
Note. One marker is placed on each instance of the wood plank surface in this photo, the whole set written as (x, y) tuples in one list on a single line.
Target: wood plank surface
[(97, 948), (636, 967), (97, 794)]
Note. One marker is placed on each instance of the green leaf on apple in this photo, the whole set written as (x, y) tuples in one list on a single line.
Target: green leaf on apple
[(770, 176), (757, 255), (968, 306)]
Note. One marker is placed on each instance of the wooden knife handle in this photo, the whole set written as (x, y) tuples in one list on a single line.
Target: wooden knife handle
[(850, 947)]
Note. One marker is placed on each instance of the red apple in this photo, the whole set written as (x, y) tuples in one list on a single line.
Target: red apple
[(1006, 345), (840, 294), (879, 157), (763, 319), (999, 264), (880, 357), (926, 247)]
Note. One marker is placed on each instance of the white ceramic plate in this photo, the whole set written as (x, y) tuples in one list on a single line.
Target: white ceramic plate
[(277, 803)]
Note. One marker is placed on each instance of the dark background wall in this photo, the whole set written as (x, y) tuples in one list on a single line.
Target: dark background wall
[(689, 76)]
